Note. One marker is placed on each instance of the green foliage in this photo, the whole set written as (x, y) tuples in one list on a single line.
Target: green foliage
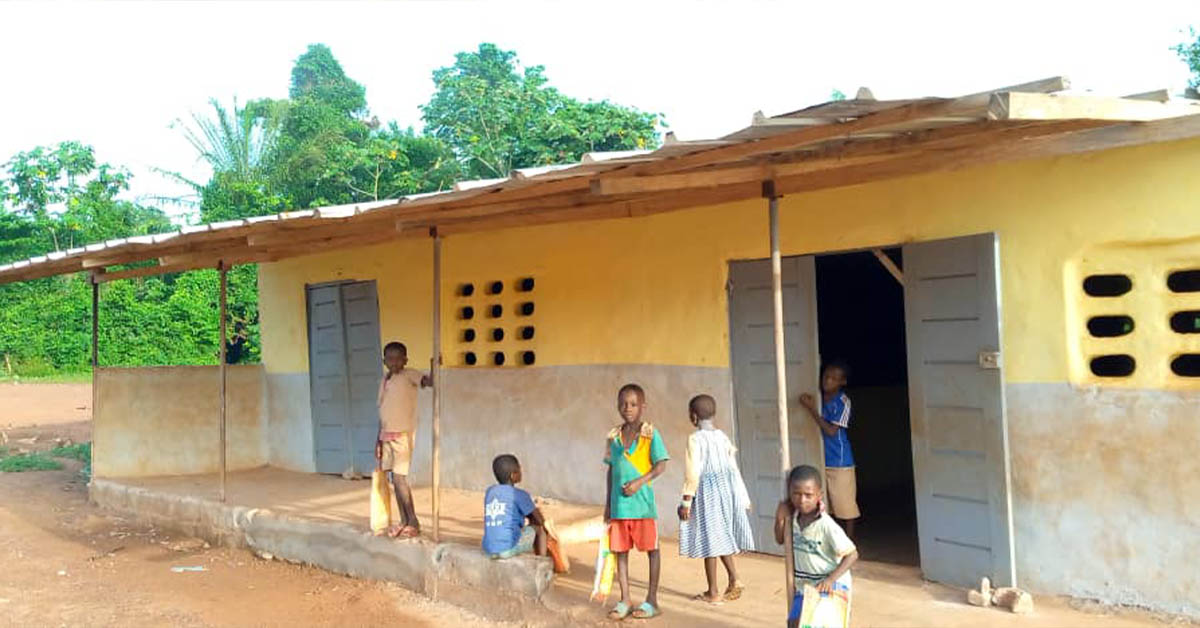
[(29, 462), (1189, 52), (79, 451), (837, 95), (498, 116)]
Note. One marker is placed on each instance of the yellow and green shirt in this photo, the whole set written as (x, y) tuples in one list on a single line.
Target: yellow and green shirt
[(630, 464)]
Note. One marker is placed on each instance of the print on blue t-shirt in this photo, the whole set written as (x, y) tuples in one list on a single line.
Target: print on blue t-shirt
[(505, 508), (837, 447)]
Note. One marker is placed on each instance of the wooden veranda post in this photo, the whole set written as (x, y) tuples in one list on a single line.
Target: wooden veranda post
[(95, 360), (435, 364), (785, 454), (222, 270)]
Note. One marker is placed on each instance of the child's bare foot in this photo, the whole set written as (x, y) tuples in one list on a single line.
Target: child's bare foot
[(734, 591), (393, 531), (708, 597), (409, 532)]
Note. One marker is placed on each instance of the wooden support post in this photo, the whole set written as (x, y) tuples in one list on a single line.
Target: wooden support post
[(222, 271), (95, 361), (889, 265), (435, 364), (785, 454)]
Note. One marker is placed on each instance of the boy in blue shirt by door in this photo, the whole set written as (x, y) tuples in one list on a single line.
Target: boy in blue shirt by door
[(833, 418), (506, 509)]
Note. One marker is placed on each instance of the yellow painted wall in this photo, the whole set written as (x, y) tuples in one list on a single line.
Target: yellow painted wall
[(652, 290)]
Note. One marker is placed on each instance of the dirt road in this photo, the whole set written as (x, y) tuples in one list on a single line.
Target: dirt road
[(67, 563)]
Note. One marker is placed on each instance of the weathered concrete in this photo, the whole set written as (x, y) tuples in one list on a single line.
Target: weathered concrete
[(165, 420), (289, 422), (1106, 493), (554, 419), (510, 589)]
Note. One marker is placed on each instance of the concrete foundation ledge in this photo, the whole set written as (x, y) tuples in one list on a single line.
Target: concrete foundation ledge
[(514, 589)]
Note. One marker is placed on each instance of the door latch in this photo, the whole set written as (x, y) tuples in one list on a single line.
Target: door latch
[(989, 359)]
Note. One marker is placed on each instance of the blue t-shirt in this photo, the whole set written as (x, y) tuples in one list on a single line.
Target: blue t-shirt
[(505, 508), (837, 447)]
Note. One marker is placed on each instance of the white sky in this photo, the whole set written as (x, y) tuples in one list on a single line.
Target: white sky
[(115, 75)]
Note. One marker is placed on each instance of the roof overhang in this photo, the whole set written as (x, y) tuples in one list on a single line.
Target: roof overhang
[(835, 144)]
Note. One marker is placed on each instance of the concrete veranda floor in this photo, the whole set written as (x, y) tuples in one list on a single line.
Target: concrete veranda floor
[(884, 594)]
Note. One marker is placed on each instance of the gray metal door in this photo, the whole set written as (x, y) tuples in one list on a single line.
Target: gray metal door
[(956, 390), (752, 340), (363, 355), (344, 372)]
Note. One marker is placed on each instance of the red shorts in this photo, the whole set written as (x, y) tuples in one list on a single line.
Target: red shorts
[(626, 534)]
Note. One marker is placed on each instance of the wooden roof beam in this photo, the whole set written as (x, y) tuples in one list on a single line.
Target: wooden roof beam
[(857, 153), (1022, 106), (1082, 140)]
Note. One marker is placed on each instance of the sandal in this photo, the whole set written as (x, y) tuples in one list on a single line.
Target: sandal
[(734, 591), (619, 612), (646, 611), (703, 597)]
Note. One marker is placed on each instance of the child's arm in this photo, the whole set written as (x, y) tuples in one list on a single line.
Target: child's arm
[(826, 585), (537, 518), (782, 513), (607, 494), (633, 486), (691, 481), (829, 429)]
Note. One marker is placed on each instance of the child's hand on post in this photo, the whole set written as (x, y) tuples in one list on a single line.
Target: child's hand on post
[(808, 401), (783, 511)]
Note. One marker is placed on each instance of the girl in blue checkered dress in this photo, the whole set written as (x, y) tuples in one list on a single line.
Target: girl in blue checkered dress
[(714, 512)]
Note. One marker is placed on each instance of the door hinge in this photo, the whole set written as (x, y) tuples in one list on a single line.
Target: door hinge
[(989, 359)]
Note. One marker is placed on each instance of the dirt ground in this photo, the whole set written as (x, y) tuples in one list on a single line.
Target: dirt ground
[(67, 563), (64, 561)]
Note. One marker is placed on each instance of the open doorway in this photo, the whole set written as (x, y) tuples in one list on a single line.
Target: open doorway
[(860, 314)]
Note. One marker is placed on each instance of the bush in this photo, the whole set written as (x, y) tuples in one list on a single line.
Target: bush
[(29, 462)]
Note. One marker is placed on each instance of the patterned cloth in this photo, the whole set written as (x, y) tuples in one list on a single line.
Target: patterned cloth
[(719, 523)]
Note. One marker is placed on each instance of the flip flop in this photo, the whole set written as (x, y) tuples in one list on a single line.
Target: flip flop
[(619, 612), (703, 597), (645, 611), (734, 591)]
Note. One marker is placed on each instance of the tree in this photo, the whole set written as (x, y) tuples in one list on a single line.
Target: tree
[(322, 130), (236, 144), (52, 198), (498, 116), (837, 95), (1189, 52), (58, 197)]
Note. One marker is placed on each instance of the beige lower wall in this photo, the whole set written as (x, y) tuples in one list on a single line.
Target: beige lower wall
[(166, 420), (1106, 493)]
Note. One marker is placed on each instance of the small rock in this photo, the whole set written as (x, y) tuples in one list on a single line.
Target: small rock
[(982, 596), (265, 555), (1015, 600), (28, 441), (206, 545), (62, 572)]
